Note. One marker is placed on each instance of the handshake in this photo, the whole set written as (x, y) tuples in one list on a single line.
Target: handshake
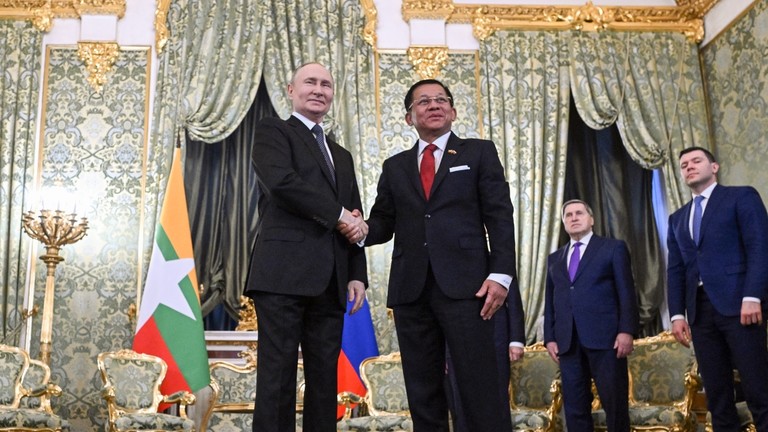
[(352, 226)]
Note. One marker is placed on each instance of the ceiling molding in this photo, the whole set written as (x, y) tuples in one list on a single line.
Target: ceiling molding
[(42, 12), (686, 17)]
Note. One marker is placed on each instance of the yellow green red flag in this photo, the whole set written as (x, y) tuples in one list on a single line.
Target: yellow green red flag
[(170, 323)]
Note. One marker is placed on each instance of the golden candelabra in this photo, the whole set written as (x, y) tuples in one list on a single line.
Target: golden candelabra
[(54, 229)]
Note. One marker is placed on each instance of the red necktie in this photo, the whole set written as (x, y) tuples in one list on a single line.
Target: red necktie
[(427, 168)]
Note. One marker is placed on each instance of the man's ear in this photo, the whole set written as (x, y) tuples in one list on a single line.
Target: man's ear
[(715, 167), (408, 119)]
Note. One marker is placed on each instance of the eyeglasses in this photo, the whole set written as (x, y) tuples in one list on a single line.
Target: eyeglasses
[(425, 101)]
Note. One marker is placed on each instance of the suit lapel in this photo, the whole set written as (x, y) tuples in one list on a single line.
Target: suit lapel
[(561, 265), (713, 203), (449, 157), (412, 169), (595, 243), (341, 169), (308, 138), (683, 224)]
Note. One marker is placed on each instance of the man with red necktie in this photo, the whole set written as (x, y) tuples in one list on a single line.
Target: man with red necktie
[(447, 204)]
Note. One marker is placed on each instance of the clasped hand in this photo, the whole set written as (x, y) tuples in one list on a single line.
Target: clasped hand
[(352, 226)]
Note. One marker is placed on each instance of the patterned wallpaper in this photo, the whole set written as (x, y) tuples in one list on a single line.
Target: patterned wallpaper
[(93, 143), (736, 79), (396, 74)]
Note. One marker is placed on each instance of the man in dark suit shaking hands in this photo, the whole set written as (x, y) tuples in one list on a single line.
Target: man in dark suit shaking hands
[(447, 203), (718, 275), (590, 319), (302, 270)]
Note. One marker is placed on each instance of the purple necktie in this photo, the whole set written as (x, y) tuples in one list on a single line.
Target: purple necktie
[(573, 265)]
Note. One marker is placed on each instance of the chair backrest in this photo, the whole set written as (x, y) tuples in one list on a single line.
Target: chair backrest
[(531, 379), (383, 377), (236, 386), (14, 363), (235, 393), (659, 370), (38, 376), (134, 378)]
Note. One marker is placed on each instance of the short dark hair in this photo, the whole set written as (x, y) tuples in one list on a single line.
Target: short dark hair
[(409, 95), (575, 201), (709, 154)]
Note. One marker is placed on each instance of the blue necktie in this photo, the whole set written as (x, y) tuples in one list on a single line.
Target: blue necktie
[(573, 264), (317, 130), (697, 214)]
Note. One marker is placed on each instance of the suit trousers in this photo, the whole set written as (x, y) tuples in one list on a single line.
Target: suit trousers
[(285, 321), (424, 329), (578, 366), (501, 340), (721, 344)]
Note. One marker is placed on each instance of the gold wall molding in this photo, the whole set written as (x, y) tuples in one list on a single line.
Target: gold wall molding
[(428, 61), (686, 17), (42, 12), (371, 18), (99, 58), (161, 29), (428, 9), (100, 7)]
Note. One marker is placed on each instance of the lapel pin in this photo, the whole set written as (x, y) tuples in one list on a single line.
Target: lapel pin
[(451, 151)]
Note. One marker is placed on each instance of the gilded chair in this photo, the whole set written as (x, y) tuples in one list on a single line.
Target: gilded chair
[(535, 394), (132, 392), (385, 405), (663, 382), (15, 414), (235, 392)]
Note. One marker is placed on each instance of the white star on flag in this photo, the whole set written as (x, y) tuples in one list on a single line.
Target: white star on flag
[(162, 286)]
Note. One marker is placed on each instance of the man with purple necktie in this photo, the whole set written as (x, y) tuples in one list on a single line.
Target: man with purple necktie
[(590, 319)]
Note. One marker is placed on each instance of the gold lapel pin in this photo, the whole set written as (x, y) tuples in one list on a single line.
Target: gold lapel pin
[(451, 151)]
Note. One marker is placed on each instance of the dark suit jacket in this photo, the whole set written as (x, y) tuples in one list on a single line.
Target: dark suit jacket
[(732, 256), (469, 200), (297, 246), (601, 300)]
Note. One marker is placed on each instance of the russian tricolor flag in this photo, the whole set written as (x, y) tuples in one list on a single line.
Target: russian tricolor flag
[(358, 342)]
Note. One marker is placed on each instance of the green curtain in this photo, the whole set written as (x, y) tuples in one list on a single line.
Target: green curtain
[(222, 214), (331, 35), (601, 172), (19, 90), (650, 84), (524, 78), (208, 76), (328, 32)]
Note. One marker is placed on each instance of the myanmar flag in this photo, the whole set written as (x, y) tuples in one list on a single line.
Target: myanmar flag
[(358, 342), (170, 324)]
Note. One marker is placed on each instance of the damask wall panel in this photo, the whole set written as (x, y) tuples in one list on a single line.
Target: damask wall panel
[(735, 75), (395, 76), (93, 142)]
